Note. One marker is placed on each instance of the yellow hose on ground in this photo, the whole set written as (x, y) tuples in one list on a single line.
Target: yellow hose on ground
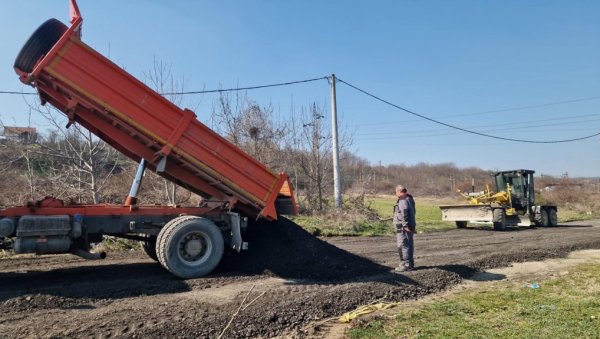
[(349, 316)]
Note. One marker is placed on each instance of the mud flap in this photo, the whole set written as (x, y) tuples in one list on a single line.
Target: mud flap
[(237, 223)]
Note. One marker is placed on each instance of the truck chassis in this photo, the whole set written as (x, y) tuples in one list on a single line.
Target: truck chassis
[(140, 123)]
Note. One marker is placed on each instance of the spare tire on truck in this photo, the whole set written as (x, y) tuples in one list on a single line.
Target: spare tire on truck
[(40, 43)]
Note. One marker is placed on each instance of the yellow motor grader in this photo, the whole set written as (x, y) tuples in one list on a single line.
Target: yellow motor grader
[(513, 204)]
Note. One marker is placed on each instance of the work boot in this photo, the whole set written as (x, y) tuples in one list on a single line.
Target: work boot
[(402, 268)]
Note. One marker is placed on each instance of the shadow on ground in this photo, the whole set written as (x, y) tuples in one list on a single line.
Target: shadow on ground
[(92, 282), (286, 250)]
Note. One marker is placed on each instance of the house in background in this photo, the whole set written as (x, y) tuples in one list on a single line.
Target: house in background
[(23, 134)]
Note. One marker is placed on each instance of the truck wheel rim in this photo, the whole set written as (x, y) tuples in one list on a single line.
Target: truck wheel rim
[(194, 248)]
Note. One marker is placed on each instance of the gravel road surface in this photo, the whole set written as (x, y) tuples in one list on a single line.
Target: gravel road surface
[(283, 285)]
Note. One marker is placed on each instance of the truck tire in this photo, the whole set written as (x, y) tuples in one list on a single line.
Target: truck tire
[(190, 246), (552, 217), (461, 224), (541, 218), (499, 219), (40, 42), (149, 246)]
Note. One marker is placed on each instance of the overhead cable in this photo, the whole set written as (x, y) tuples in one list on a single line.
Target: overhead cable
[(15, 92), (460, 128), (522, 125), (233, 89)]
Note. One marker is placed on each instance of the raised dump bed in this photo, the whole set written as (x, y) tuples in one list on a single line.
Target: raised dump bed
[(100, 96)]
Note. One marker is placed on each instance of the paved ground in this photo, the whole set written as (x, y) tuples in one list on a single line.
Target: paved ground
[(283, 286)]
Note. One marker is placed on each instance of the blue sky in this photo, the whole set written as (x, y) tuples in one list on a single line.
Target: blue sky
[(454, 61)]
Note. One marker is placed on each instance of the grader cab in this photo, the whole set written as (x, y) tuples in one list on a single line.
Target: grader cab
[(512, 204)]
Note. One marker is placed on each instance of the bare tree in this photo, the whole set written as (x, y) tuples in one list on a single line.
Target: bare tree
[(226, 116), (22, 155), (312, 145), (251, 127), (82, 163), (300, 145), (161, 79)]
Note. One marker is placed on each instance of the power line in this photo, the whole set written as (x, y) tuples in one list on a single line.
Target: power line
[(388, 103), (212, 90), (464, 129), (247, 88), (14, 92), (450, 132), (517, 108), (522, 125)]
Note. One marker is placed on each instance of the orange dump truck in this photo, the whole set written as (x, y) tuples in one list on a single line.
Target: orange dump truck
[(97, 94)]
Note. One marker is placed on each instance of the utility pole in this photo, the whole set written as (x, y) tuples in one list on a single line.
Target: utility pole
[(337, 185)]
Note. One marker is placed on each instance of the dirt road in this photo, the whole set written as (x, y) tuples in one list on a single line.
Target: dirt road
[(285, 283)]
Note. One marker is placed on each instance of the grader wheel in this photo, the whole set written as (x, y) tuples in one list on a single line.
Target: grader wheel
[(552, 217), (499, 219), (541, 219)]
